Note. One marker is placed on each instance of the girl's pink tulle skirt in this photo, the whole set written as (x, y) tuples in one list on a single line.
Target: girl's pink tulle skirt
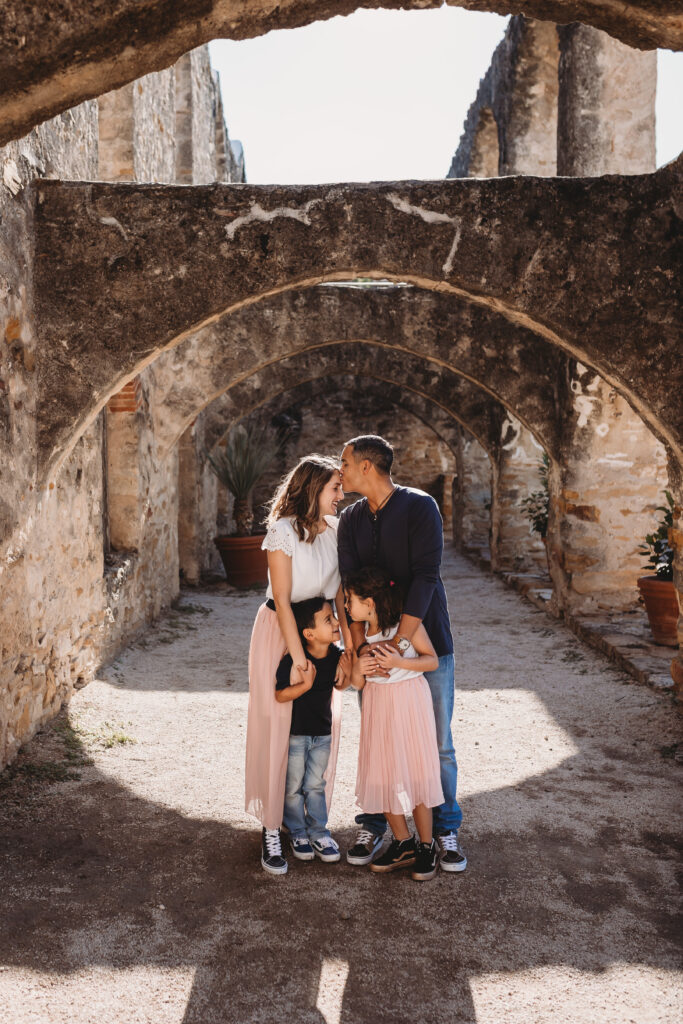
[(398, 757), (268, 725)]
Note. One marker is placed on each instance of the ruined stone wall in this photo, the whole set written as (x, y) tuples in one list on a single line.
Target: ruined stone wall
[(514, 546), (472, 496), (91, 558)]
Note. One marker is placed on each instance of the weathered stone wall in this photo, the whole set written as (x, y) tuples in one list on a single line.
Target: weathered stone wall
[(91, 558), (514, 546), (472, 497)]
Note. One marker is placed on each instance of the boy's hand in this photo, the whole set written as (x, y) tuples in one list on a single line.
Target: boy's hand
[(308, 674), (342, 676)]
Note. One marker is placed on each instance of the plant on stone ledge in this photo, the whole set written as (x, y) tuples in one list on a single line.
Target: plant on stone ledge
[(536, 505), (657, 550), (239, 465)]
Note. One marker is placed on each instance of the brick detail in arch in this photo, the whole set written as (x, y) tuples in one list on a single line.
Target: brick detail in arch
[(128, 399)]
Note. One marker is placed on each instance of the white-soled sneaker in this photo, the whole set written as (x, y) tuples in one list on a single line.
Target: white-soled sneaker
[(451, 857), (302, 849), (272, 859), (365, 848), (326, 849)]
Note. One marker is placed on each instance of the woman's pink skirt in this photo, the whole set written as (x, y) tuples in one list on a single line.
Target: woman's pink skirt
[(268, 725), (398, 757)]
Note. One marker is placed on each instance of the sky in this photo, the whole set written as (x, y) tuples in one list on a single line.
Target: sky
[(375, 96)]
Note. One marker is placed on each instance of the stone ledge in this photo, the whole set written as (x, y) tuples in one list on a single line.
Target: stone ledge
[(623, 636)]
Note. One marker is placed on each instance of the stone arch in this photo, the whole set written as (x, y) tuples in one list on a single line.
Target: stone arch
[(152, 264), (84, 51)]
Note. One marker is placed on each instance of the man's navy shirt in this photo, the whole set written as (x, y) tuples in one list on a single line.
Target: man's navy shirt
[(406, 541)]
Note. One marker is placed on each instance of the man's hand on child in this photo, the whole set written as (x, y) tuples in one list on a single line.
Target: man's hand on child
[(387, 657)]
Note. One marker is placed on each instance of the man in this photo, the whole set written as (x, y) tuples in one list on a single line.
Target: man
[(400, 529)]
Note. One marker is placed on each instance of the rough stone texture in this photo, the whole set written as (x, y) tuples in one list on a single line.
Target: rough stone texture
[(511, 125), (513, 544), (85, 50), (130, 275), (472, 497), (606, 117), (197, 507)]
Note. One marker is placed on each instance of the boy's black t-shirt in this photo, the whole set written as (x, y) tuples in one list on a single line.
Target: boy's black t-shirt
[(312, 711)]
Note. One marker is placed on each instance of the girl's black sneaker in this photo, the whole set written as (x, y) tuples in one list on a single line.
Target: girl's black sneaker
[(398, 854), (426, 862)]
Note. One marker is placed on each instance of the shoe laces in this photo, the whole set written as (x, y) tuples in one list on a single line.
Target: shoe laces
[(450, 842), (273, 842), (365, 838)]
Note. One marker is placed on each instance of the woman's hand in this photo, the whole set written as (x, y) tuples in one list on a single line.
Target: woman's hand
[(387, 656), (296, 673)]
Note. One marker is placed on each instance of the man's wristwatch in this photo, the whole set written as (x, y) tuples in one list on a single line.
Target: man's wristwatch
[(402, 644)]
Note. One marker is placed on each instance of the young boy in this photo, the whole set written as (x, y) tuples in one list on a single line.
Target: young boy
[(305, 811)]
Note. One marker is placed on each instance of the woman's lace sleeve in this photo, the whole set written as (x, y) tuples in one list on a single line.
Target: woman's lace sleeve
[(279, 538)]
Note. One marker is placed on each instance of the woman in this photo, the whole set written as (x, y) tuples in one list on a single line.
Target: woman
[(302, 562)]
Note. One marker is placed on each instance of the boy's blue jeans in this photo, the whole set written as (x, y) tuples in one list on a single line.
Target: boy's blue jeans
[(448, 816), (305, 813)]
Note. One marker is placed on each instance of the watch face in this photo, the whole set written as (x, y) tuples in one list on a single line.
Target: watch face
[(403, 644)]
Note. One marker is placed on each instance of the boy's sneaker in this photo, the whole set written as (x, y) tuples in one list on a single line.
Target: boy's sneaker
[(365, 848), (326, 849), (451, 857), (398, 854), (426, 862), (302, 849), (271, 852)]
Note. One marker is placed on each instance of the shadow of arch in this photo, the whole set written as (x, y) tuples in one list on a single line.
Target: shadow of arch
[(122, 272), (456, 349)]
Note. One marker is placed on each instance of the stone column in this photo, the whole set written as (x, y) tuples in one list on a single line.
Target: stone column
[(606, 106), (123, 491), (514, 547), (472, 497), (603, 496), (676, 541)]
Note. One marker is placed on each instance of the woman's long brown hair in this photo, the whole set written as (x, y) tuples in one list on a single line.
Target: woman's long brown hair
[(298, 495)]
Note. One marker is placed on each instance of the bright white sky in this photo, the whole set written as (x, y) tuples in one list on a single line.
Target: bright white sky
[(376, 96)]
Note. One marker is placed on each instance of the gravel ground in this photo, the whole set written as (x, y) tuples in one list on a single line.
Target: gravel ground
[(130, 875)]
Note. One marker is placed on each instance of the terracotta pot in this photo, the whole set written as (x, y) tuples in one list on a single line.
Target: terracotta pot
[(243, 560), (661, 606)]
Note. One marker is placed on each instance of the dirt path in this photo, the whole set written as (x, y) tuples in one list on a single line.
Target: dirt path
[(132, 891)]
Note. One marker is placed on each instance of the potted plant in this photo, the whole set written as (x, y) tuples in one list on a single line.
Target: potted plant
[(657, 590), (239, 464), (537, 504)]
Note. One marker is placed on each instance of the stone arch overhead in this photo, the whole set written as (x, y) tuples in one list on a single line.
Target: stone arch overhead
[(404, 381), (123, 271), (85, 50), (294, 330)]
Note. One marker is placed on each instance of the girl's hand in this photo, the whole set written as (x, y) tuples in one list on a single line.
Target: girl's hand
[(388, 657)]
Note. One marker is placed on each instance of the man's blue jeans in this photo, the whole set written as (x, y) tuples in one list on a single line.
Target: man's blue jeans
[(305, 813), (448, 816)]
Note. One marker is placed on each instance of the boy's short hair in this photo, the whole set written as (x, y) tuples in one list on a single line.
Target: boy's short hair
[(305, 613)]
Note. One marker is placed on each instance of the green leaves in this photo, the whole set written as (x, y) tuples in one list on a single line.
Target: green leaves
[(246, 456), (656, 548), (536, 505)]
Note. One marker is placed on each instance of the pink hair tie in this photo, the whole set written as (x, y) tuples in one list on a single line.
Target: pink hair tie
[(391, 583)]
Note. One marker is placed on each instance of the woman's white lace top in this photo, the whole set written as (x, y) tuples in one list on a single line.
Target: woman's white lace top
[(315, 567), (395, 674)]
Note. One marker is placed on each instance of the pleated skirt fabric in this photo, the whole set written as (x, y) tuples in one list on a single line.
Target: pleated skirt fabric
[(398, 756), (268, 725)]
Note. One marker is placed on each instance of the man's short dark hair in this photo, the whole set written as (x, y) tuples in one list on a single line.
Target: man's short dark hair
[(306, 611), (374, 448)]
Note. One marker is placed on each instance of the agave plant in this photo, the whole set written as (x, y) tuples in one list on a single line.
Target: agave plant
[(657, 550), (239, 465)]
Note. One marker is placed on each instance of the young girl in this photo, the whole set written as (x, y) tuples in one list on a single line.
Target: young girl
[(398, 757)]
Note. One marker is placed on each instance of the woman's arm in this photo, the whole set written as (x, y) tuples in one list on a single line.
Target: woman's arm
[(341, 615), (426, 661), (280, 567)]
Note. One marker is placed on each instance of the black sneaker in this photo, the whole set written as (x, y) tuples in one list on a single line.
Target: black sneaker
[(451, 857), (365, 847), (426, 862), (398, 854), (271, 852)]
